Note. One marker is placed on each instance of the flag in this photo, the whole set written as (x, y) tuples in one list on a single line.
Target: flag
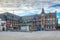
[(10, 23), (5, 23)]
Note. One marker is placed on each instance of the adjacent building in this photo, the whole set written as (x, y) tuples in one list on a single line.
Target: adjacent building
[(12, 21)]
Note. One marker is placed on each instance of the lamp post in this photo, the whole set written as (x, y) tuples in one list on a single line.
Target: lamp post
[(12, 19)]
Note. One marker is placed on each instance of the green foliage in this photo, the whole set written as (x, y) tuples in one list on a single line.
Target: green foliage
[(58, 25)]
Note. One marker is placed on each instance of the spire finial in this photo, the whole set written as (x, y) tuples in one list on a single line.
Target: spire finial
[(43, 11)]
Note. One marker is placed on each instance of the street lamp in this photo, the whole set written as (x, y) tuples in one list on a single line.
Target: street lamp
[(12, 19)]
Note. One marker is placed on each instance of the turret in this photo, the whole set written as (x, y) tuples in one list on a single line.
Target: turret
[(43, 11)]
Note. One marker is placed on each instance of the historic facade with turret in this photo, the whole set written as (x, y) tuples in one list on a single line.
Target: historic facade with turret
[(43, 21), (48, 21)]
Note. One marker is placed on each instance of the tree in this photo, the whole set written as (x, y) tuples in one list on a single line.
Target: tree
[(58, 25)]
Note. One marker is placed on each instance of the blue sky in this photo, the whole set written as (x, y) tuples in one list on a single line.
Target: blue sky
[(30, 7), (58, 15), (58, 11)]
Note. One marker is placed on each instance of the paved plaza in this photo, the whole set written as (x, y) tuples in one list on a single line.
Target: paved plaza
[(40, 35)]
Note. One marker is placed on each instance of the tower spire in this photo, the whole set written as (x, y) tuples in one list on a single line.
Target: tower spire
[(43, 11)]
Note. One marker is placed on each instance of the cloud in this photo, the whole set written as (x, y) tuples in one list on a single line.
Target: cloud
[(27, 6)]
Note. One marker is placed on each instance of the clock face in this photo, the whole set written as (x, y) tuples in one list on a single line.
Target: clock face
[(42, 14)]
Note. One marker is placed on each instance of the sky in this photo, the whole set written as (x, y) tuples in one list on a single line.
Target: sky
[(30, 7)]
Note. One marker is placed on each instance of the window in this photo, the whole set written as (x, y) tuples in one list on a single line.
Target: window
[(49, 16)]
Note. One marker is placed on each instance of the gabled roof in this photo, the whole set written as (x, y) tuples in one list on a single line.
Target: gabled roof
[(10, 16)]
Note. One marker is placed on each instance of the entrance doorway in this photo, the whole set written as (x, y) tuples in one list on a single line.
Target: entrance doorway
[(3, 29)]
